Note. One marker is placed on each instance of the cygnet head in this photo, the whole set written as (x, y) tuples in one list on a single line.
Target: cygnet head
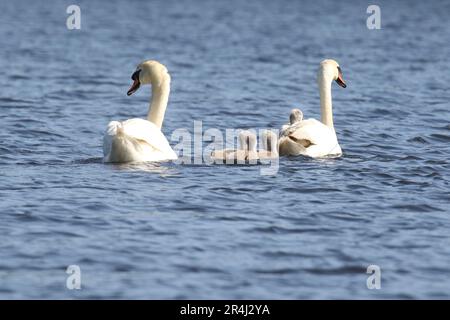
[(148, 72), (329, 69), (295, 116), (247, 140), (269, 141)]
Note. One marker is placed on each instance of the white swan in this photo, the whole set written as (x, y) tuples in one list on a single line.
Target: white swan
[(314, 138), (139, 139), (269, 141)]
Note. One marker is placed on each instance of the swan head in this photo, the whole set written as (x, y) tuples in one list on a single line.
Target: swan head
[(148, 72), (295, 116), (330, 70), (247, 140)]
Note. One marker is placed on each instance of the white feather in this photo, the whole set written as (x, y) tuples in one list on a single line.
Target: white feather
[(135, 140), (138, 139)]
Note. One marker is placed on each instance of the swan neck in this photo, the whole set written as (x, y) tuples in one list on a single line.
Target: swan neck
[(159, 100), (326, 108)]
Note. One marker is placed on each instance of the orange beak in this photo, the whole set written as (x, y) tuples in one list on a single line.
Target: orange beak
[(340, 80), (133, 87)]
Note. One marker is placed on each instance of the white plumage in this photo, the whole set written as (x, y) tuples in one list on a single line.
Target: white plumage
[(138, 139), (310, 137), (135, 140)]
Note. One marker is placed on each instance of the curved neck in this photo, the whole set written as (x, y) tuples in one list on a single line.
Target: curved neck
[(326, 108), (158, 102)]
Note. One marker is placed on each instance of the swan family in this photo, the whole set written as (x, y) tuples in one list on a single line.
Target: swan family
[(139, 140)]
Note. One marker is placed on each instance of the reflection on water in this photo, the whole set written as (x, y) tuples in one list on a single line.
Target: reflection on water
[(164, 169)]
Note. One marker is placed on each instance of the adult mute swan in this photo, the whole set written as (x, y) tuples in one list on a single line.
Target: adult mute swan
[(314, 138), (138, 139)]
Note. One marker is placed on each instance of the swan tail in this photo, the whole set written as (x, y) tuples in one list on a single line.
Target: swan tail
[(119, 130), (118, 146)]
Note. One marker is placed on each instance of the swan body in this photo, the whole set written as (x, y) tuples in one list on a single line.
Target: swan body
[(139, 139), (310, 137), (135, 140)]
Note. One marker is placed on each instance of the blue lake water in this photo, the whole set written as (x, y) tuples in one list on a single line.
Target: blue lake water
[(210, 231)]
